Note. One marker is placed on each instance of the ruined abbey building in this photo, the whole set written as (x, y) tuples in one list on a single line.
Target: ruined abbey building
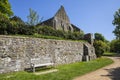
[(60, 21)]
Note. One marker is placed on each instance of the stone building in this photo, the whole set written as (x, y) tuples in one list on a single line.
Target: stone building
[(60, 21)]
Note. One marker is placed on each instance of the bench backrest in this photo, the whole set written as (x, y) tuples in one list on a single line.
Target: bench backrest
[(40, 61)]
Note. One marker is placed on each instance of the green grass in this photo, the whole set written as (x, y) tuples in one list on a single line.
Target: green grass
[(66, 72), (45, 37), (109, 54), (39, 36)]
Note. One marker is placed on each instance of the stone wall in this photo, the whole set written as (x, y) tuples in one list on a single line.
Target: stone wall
[(16, 52)]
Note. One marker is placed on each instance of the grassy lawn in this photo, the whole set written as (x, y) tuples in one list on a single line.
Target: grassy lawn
[(109, 54), (66, 72)]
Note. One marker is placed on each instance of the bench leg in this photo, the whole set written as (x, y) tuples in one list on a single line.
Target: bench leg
[(33, 69)]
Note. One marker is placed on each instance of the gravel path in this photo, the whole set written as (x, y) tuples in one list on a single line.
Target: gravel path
[(111, 72)]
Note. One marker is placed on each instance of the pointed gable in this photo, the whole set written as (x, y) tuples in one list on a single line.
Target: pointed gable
[(61, 14), (60, 21)]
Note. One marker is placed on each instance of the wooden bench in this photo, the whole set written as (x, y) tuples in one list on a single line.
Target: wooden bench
[(34, 65)]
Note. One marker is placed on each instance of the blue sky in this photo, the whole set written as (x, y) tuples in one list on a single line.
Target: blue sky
[(89, 15)]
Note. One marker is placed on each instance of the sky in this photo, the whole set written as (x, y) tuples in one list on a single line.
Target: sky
[(89, 15)]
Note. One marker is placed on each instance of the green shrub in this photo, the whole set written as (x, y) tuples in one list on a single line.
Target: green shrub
[(100, 47), (4, 24), (99, 36), (74, 35), (15, 25), (49, 31), (115, 46), (59, 33)]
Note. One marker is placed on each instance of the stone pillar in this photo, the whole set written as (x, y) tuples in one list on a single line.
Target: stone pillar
[(89, 38)]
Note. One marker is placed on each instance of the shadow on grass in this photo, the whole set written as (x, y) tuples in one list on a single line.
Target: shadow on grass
[(38, 69)]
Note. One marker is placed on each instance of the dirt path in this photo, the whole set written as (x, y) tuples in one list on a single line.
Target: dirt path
[(111, 72)]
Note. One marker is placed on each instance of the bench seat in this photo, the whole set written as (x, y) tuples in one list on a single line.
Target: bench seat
[(40, 65)]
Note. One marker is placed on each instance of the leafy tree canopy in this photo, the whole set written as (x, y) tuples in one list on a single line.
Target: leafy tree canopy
[(99, 36), (5, 8), (116, 22), (101, 44), (17, 19), (33, 18), (115, 46), (100, 47)]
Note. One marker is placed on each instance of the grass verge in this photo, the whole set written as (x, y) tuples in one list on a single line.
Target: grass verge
[(66, 72), (110, 54), (45, 37)]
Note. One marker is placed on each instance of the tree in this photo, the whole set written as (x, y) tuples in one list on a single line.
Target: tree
[(115, 46), (99, 47), (116, 22), (101, 44), (4, 24), (5, 8), (17, 25), (5, 13), (99, 36), (33, 18), (17, 19)]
